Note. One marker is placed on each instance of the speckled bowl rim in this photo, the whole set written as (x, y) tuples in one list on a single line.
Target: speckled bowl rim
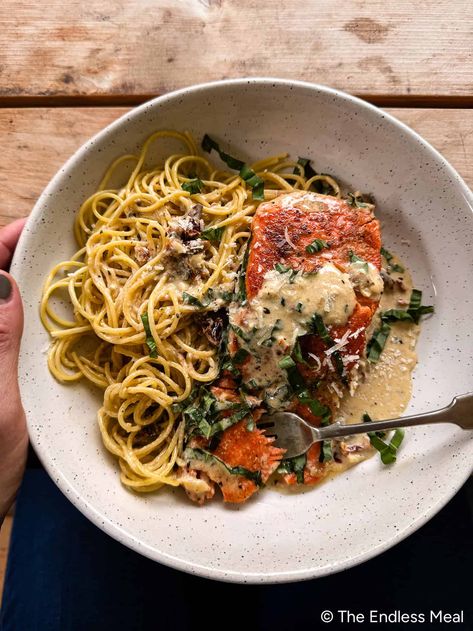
[(90, 511)]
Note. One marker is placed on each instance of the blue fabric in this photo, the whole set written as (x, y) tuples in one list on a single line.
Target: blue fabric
[(64, 574)]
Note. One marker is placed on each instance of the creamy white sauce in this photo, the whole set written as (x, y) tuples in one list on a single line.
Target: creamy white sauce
[(385, 389), (308, 201), (282, 311), (289, 301), (366, 279)]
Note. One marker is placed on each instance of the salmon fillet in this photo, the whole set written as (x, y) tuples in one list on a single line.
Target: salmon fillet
[(299, 218), (281, 231)]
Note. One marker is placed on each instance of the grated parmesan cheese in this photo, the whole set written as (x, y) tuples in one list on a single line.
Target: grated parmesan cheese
[(316, 359), (356, 333), (337, 389), (286, 235), (339, 343)]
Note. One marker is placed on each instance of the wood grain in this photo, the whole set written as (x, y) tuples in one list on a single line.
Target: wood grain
[(35, 142), (4, 543), (146, 47)]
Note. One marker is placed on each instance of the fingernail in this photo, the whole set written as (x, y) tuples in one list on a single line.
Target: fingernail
[(5, 288)]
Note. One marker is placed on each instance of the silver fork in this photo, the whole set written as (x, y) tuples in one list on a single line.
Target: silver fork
[(296, 435)]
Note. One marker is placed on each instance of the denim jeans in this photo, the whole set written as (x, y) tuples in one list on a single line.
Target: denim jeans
[(64, 574)]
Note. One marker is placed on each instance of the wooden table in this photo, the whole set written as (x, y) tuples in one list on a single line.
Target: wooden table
[(69, 67)]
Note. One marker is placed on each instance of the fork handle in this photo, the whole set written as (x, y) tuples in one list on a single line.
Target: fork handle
[(459, 412)]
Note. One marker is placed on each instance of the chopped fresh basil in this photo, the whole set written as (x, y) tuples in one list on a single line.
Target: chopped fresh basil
[(387, 451), (253, 180), (196, 414), (388, 256), (416, 299), (416, 309), (318, 409), (297, 352), (150, 343), (375, 346), (422, 310), (255, 476), (240, 356), (246, 337), (214, 235), (397, 439), (246, 172), (326, 452), (298, 386), (206, 300), (286, 362), (295, 379), (317, 326), (380, 446), (228, 421), (391, 315), (282, 269), (188, 299), (356, 259), (203, 414), (367, 419), (305, 164), (206, 456), (226, 363), (322, 186), (193, 186), (241, 295), (253, 383), (299, 307), (258, 337), (413, 313), (294, 465), (177, 408), (316, 246), (356, 201), (209, 143)]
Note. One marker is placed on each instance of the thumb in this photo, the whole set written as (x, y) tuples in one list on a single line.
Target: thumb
[(11, 328), (13, 436)]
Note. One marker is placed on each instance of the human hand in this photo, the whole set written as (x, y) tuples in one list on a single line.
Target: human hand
[(13, 436)]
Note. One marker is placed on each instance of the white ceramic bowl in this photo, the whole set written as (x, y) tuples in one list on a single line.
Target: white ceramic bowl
[(426, 211)]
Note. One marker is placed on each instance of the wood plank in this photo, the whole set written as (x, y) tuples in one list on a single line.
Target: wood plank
[(5, 533), (146, 47), (35, 142)]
